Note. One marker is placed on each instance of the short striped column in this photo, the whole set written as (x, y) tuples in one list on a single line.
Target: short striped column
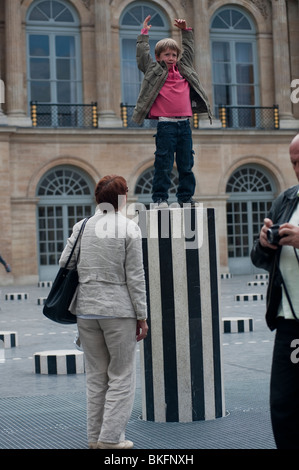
[(45, 283), (248, 297), (59, 362), (16, 296), (9, 338), (257, 283), (181, 357), (237, 325)]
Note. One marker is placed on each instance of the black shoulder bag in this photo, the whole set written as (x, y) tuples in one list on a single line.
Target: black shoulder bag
[(56, 307)]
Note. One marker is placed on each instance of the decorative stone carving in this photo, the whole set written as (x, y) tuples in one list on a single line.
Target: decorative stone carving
[(86, 3)]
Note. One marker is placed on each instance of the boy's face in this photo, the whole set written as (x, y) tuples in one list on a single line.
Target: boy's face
[(169, 56)]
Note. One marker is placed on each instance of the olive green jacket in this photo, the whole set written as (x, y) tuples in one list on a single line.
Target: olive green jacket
[(155, 75)]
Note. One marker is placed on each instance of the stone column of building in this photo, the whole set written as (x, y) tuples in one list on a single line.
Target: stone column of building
[(202, 55), (103, 47), (281, 57), (14, 65), (5, 206), (3, 117)]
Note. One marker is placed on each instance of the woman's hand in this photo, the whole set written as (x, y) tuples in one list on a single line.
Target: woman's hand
[(141, 329)]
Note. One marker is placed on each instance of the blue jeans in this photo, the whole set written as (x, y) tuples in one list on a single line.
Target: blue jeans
[(173, 138)]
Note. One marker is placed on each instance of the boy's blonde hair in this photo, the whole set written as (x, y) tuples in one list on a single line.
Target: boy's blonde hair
[(167, 43)]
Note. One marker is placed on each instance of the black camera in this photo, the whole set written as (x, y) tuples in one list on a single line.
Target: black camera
[(273, 236)]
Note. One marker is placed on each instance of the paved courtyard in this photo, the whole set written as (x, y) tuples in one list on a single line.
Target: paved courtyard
[(49, 411)]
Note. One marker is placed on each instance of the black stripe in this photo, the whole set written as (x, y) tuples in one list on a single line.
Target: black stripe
[(241, 326), (13, 340), (215, 314), (168, 316), (37, 364), (147, 343), (71, 364), (52, 365), (195, 317)]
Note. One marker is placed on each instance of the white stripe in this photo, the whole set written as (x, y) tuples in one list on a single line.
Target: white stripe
[(181, 318), (206, 315), (156, 316)]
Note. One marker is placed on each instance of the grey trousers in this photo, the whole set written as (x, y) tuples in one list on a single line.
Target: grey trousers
[(109, 347)]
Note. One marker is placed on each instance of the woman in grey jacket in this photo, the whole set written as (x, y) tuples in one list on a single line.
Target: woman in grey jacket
[(111, 311)]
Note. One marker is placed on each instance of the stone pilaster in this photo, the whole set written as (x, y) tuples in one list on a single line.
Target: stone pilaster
[(16, 114), (202, 56), (107, 117), (281, 57)]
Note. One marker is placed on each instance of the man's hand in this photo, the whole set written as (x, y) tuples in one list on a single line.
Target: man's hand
[(289, 234), (263, 234), (141, 329), (180, 23)]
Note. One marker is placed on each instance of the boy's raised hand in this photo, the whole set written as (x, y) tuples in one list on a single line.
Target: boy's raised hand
[(180, 23), (145, 23)]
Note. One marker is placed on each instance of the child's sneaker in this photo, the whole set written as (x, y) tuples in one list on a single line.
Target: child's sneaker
[(161, 204), (189, 203)]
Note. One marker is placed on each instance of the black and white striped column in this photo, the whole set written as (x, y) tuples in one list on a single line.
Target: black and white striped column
[(181, 357)]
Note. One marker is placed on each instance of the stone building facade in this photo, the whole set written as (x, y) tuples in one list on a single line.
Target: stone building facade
[(56, 56)]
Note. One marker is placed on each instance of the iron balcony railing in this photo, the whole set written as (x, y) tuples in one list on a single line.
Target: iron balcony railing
[(249, 117), (85, 116), (127, 112), (64, 115), (235, 117)]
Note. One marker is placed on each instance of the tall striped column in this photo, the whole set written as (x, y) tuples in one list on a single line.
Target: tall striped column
[(181, 357)]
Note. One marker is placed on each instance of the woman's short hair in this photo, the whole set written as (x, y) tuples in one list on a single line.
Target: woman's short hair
[(167, 43), (109, 189)]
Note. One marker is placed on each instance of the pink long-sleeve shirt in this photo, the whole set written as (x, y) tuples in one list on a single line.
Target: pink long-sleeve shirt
[(173, 99)]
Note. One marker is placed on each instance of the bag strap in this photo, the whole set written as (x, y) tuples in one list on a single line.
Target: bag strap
[(76, 241), (286, 290)]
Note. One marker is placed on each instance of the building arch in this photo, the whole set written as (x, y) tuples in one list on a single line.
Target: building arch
[(143, 186), (65, 195), (251, 190), (81, 164)]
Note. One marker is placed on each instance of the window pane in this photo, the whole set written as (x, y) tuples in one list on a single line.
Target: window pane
[(38, 45), (45, 7), (40, 91), (63, 92), (65, 69), (245, 95), (40, 68), (65, 46), (222, 94), (236, 16), (222, 73), (221, 51), (243, 24), (37, 15), (244, 73), (219, 23), (244, 52)]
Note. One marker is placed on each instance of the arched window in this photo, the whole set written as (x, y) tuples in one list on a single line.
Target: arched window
[(65, 196), (53, 53), (143, 188), (251, 192), (234, 62), (131, 22)]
